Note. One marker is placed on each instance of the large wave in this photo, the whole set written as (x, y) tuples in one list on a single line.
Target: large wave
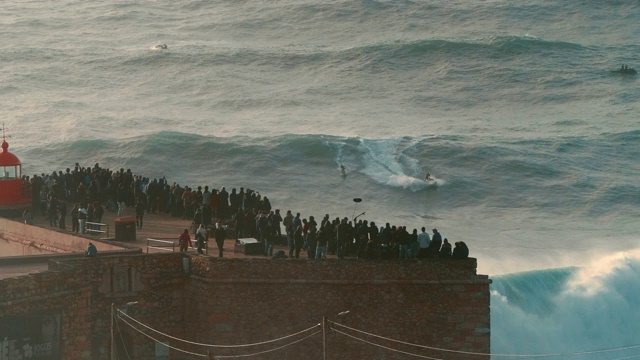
[(586, 313), (565, 174)]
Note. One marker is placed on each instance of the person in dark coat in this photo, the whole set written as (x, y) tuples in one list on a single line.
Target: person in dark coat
[(370, 250), (298, 239), (436, 243), (223, 203), (141, 205), (445, 250), (91, 250), (461, 251), (62, 214), (220, 234), (74, 217), (344, 237)]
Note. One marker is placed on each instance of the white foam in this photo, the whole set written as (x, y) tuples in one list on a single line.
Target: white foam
[(386, 163), (590, 309)]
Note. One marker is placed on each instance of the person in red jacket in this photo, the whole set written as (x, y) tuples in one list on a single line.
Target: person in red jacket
[(185, 240)]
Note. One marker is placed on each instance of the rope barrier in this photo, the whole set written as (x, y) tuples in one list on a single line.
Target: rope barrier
[(408, 343), (220, 356), (212, 345), (266, 351), (333, 327), (386, 347), (477, 353), (158, 341)]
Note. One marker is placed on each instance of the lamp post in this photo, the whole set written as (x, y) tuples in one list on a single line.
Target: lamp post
[(353, 216), (113, 343), (113, 321), (324, 338), (324, 333)]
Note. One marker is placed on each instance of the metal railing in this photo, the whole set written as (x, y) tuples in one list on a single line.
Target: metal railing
[(91, 228), (169, 244), (163, 244)]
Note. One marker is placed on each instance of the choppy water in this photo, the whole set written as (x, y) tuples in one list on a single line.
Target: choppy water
[(513, 106)]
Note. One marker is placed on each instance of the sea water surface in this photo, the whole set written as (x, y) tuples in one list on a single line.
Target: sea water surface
[(514, 106)]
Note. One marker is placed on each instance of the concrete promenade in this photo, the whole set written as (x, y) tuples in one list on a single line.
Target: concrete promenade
[(155, 226)]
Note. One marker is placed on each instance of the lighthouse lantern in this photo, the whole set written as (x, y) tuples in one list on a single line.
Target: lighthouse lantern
[(14, 190)]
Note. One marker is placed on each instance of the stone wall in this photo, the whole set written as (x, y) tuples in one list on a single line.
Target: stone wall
[(435, 303)]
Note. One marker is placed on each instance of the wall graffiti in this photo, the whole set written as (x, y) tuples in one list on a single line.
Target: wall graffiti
[(26, 337)]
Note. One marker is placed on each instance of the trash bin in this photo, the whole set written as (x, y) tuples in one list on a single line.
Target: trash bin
[(126, 228)]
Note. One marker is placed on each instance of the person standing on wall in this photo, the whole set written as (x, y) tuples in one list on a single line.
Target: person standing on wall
[(436, 243), (424, 241), (288, 228)]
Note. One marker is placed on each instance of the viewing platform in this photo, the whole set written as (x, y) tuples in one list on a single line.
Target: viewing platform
[(212, 300), (62, 244)]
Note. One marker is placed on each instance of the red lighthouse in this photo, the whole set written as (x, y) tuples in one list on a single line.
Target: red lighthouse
[(14, 191)]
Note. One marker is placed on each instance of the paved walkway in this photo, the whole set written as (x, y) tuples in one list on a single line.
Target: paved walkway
[(155, 226)]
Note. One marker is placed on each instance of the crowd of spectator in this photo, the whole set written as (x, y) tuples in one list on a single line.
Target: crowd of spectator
[(91, 188), (343, 238), (245, 212)]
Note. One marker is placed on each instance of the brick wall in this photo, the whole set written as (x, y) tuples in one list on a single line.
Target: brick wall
[(82, 297), (436, 303)]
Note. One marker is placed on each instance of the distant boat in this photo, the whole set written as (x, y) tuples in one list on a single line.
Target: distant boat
[(626, 71)]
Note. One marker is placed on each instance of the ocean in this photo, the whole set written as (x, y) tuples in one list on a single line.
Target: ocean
[(515, 107)]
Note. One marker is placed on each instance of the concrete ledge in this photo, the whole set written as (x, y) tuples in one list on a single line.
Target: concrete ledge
[(50, 238), (44, 258)]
